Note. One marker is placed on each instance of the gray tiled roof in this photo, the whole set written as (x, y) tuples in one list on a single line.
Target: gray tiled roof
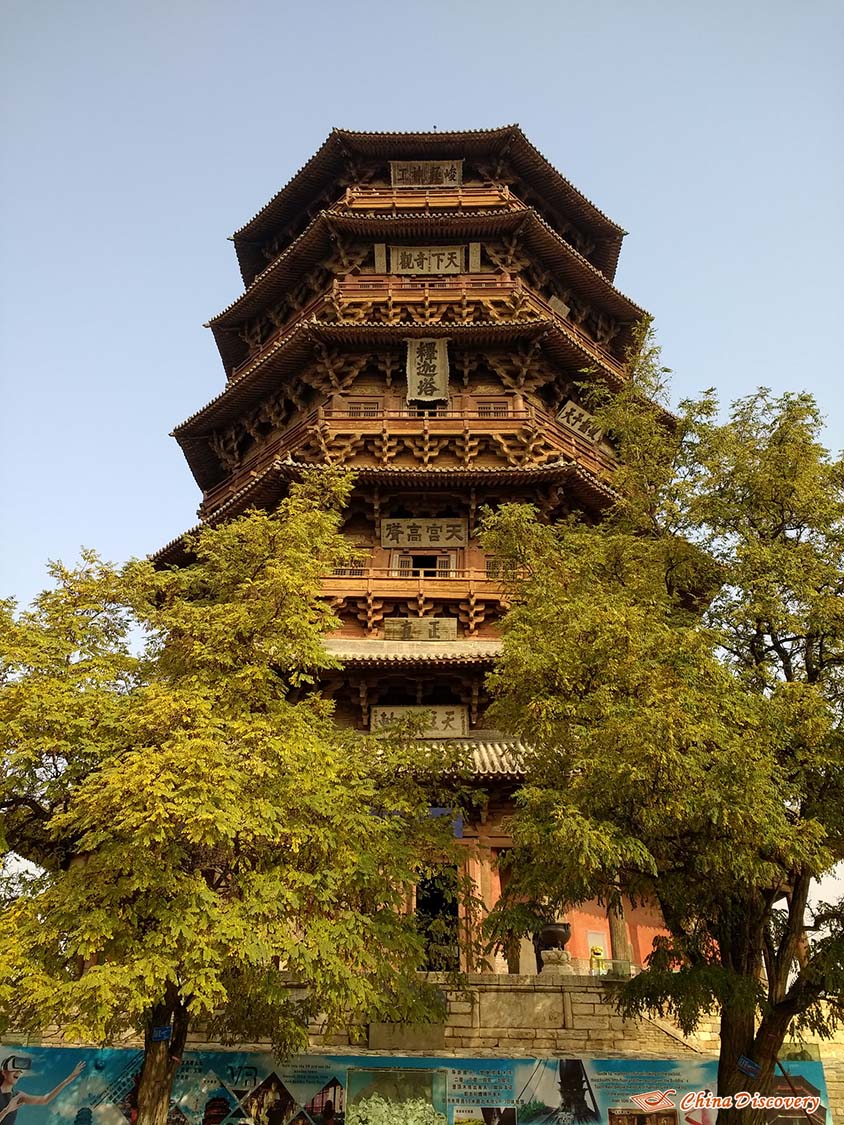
[(494, 756), (377, 651)]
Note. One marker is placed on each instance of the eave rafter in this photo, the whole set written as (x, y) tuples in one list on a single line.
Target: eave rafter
[(327, 357), (267, 488), (338, 159), (327, 237)]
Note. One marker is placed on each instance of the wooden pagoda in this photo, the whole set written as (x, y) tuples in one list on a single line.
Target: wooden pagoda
[(421, 307)]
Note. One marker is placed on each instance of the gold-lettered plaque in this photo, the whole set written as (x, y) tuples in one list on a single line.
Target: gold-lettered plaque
[(426, 261), (420, 629), (442, 722), (445, 532), (427, 370), (426, 173)]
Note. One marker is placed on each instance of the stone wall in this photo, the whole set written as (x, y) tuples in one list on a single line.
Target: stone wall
[(572, 1015), (832, 1056), (505, 1014)]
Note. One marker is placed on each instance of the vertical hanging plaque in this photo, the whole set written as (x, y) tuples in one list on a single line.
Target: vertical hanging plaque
[(427, 370)]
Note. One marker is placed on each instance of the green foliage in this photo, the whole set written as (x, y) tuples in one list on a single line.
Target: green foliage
[(212, 846), (377, 1110), (66, 670), (676, 669), (438, 896)]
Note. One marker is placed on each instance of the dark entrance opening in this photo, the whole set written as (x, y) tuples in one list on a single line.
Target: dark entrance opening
[(436, 917), (425, 565)]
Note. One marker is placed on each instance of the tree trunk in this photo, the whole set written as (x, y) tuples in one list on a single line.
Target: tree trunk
[(763, 1047), (161, 1059), (737, 1038), (156, 1083)]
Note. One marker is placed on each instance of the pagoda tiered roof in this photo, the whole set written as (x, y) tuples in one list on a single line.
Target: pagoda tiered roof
[(284, 357), (316, 243), (328, 171), (344, 279), (270, 484)]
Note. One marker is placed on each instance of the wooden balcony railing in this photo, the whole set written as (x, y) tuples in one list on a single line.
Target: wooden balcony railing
[(337, 418), (407, 198), (441, 416), (393, 583)]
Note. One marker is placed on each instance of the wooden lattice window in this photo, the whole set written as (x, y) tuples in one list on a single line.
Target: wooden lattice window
[(363, 407), (492, 408), (423, 564)]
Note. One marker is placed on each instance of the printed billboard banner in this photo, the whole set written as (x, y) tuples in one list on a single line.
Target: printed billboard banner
[(90, 1087)]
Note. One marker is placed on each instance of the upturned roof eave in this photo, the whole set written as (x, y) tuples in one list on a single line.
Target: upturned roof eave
[(267, 484), (327, 221), (258, 489), (510, 217), (291, 349), (313, 242), (315, 329), (305, 241), (512, 136), (328, 161), (341, 142)]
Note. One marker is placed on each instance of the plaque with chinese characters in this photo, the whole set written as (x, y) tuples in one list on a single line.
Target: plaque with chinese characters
[(420, 629), (427, 370), (425, 533), (442, 722), (427, 260), (559, 306), (426, 173), (574, 417)]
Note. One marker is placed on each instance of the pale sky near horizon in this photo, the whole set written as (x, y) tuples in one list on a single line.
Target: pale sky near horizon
[(137, 136)]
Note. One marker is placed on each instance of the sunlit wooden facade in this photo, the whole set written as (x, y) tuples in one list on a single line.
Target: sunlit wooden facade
[(421, 307)]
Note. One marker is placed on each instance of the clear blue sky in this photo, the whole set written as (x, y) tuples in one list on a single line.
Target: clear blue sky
[(137, 136)]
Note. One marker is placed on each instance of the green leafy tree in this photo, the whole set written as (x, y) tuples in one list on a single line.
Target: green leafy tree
[(211, 847), (66, 670), (676, 669)]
